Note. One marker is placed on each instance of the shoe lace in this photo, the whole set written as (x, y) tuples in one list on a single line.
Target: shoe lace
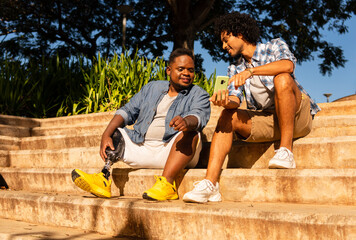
[(160, 183), (283, 153), (203, 184), (158, 180)]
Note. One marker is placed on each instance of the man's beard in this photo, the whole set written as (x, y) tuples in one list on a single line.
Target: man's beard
[(178, 86)]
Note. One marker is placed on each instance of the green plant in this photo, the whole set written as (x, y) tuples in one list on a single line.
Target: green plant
[(109, 84), (206, 83), (59, 87)]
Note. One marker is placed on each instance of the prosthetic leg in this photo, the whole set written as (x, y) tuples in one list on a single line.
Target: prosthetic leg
[(113, 156), (99, 184)]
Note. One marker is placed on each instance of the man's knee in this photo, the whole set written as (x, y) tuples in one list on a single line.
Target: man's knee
[(187, 142), (119, 145), (234, 120), (283, 82), (225, 119), (188, 137)]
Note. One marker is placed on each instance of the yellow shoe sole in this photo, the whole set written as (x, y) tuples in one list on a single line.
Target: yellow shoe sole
[(157, 198), (93, 189)]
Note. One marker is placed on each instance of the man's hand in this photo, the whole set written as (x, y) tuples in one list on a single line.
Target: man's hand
[(188, 123), (240, 78), (106, 141), (220, 98)]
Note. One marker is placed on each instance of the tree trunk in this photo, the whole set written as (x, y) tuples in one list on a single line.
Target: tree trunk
[(186, 20)]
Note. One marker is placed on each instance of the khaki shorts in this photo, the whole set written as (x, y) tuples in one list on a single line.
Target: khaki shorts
[(153, 154), (265, 124)]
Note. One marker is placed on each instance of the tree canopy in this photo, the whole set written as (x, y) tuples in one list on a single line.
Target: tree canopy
[(37, 28)]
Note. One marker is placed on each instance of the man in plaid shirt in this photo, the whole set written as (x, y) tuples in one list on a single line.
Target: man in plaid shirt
[(278, 108)]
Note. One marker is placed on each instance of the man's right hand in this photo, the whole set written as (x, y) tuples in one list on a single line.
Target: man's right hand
[(221, 98), (106, 142)]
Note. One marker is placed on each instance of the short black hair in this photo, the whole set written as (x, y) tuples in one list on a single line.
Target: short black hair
[(238, 23), (180, 52)]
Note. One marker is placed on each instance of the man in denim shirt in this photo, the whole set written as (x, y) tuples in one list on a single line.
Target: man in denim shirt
[(278, 108), (168, 118)]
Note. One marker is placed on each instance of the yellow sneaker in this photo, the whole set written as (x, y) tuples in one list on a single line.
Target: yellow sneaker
[(95, 183), (162, 190)]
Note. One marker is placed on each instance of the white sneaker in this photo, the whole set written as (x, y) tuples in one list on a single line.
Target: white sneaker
[(282, 159), (203, 191)]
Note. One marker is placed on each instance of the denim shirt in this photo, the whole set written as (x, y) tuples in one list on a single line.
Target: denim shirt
[(266, 53), (141, 109)]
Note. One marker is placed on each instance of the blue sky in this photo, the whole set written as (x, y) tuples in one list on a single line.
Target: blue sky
[(341, 83)]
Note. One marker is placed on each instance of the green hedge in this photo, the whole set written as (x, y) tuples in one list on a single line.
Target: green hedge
[(61, 87)]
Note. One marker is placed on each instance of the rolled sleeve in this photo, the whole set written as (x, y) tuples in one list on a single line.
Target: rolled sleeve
[(236, 92), (200, 108), (131, 110), (233, 70)]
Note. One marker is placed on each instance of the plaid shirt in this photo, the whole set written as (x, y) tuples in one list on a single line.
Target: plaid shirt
[(272, 51)]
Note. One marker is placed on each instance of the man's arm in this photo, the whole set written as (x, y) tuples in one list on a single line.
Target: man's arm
[(125, 115), (269, 69), (273, 68), (198, 114)]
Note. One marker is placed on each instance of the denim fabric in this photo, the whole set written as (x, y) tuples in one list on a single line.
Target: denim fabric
[(142, 108), (272, 51)]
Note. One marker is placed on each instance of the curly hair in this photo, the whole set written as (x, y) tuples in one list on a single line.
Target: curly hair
[(180, 52), (238, 23)]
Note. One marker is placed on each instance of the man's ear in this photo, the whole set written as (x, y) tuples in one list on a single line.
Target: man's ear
[(168, 70)]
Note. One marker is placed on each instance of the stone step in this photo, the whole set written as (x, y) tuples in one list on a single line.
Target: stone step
[(97, 122), (60, 141), (334, 108), (323, 126), (138, 218), (18, 230), (97, 128), (334, 126), (318, 186), (337, 108), (58, 158), (4, 158), (326, 126), (87, 119), (8, 147), (83, 119), (330, 126), (9, 143), (14, 131), (336, 152), (19, 121)]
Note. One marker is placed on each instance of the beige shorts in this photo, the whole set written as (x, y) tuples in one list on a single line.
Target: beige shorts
[(265, 126), (153, 154)]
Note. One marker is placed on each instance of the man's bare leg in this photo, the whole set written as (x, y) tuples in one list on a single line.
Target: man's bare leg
[(287, 101), (229, 122), (182, 152)]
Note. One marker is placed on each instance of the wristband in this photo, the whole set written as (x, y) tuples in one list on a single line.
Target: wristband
[(250, 70)]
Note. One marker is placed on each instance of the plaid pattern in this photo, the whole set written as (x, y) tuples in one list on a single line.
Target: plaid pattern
[(272, 51)]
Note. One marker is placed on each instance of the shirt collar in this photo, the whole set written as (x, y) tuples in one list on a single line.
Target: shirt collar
[(256, 55), (184, 91)]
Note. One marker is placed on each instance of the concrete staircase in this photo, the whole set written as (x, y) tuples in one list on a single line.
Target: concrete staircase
[(315, 201)]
